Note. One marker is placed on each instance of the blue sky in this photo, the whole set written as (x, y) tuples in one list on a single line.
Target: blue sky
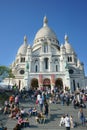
[(25, 17)]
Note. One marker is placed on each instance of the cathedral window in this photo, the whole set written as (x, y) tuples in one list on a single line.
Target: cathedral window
[(21, 71), (70, 59), (74, 86), (71, 71), (46, 63), (36, 68), (22, 59), (45, 48), (56, 68)]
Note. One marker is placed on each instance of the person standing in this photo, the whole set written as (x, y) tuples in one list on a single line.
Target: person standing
[(46, 107), (67, 100), (67, 122), (72, 124), (81, 116), (41, 103)]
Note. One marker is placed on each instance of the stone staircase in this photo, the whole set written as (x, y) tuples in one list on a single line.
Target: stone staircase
[(56, 110)]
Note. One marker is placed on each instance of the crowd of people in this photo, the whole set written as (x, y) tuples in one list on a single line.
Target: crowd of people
[(42, 99)]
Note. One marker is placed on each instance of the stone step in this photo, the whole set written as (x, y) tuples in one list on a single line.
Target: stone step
[(56, 110)]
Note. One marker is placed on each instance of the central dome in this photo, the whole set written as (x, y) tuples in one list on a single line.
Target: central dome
[(45, 31)]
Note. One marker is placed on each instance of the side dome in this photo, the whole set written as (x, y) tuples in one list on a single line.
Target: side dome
[(23, 48), (45, 32), (68, 47)]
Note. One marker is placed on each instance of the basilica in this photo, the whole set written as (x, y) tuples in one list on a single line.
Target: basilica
[(47, 63)]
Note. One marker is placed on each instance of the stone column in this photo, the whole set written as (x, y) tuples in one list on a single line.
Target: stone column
[(68, 82), (41, 65), (40, 81), (26, 78), (61, 63), (52, 81)]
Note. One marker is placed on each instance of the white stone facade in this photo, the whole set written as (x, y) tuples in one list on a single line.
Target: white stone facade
[(47, 63)]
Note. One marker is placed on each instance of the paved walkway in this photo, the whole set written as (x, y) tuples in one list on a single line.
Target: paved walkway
[(56, 110)]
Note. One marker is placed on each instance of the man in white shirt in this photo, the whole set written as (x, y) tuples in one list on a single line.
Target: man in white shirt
[(62, 121), (67, 122), (41, 103), (38, 97)]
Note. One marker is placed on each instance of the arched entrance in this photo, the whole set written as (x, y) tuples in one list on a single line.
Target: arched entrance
[(46, 83), (34, 84), (59, 84)]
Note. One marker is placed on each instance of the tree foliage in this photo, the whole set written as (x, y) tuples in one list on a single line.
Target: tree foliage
[(6, 72), (3, 69)]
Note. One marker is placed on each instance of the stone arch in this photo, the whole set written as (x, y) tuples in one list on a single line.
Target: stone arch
[(34, 83), (59, 83), (47, 82)]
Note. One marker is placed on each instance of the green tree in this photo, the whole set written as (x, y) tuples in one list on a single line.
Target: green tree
[(3, 69), (6, 72), (10, 74)]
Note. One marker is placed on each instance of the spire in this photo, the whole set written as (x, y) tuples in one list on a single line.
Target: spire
[(25, 39), (66, 38), (45, 21)]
